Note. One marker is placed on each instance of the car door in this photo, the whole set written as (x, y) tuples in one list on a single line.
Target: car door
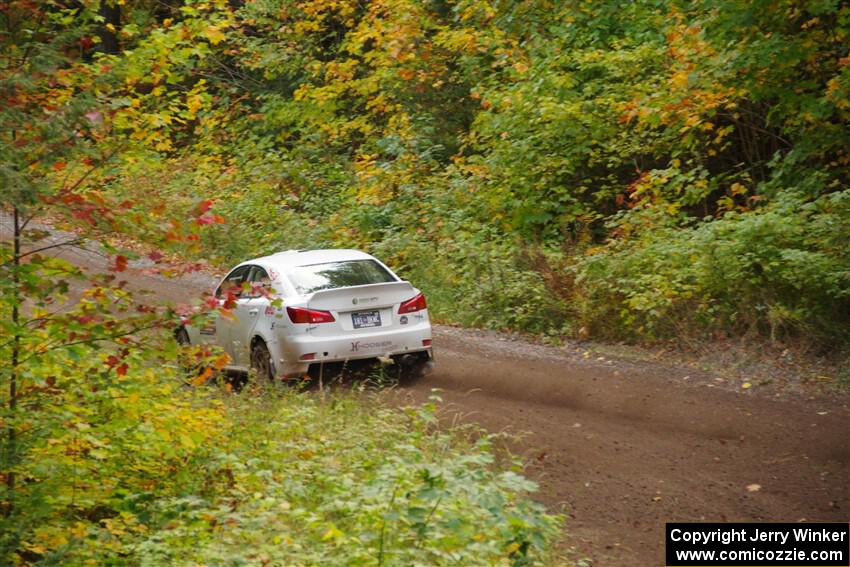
[(226, 322), (249, 309)]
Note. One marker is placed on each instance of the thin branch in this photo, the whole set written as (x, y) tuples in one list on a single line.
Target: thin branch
[(42, 350), (73, 242)]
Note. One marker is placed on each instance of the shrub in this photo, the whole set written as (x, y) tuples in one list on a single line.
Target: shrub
[(781, 270)]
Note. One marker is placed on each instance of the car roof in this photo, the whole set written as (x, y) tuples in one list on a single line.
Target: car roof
[(293, 258)]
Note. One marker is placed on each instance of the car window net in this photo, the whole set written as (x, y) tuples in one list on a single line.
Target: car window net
[(332, 275)]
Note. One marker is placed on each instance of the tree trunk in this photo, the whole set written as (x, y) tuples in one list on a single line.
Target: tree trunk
[(12, 449), (111, 12)]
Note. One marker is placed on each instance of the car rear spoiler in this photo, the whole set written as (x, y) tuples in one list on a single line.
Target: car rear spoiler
[(362, 296)]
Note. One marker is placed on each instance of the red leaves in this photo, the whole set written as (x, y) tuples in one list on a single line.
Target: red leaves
[(230, 301), (115, 362), (203, 206), (120, 263), (207, 218), (203, 216)]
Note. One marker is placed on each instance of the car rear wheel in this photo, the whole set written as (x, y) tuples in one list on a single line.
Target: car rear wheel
[(182, 336), (412, 367), (261, 360)]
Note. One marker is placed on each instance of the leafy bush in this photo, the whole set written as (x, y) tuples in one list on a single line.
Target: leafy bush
[(782, 270), (134, 468), (342, 480)]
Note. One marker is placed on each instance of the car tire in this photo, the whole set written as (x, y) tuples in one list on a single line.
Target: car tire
[(181, 335), (411, 372), (261, 360)]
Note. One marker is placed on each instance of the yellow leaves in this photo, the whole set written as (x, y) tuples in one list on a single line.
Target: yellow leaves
[(520, 67), (725, 203), (680, 79), (332, 533), (214, 34), (737, 189), (512, 548), (464, 40), (307, 26), (810, 23), (194, 103), (406, 74), (164, 145)]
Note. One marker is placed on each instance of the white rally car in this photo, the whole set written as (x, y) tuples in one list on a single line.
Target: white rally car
[(297, 308)]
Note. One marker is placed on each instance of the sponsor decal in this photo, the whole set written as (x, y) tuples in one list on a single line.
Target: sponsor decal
[(403, 320), (357, 300), (357, 346), (208, 330)]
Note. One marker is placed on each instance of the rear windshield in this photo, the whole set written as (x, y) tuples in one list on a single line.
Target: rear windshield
[(331, 275)]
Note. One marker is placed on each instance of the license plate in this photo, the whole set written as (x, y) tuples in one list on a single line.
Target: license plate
[(365, 319)]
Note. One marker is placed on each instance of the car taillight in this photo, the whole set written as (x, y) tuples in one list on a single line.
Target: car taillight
[(304, 315), (412, 305)]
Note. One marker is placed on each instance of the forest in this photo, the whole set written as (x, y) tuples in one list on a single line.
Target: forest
[(647, 172)]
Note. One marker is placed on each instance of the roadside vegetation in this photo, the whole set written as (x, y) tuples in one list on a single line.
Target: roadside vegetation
[(132, 465)]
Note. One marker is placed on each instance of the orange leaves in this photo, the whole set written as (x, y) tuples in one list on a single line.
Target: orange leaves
[(204, 375)]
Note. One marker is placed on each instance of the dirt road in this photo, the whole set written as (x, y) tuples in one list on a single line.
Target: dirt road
[(624, 448), (621, 448)]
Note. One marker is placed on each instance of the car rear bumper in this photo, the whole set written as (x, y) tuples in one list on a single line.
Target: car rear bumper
[(395, 342)]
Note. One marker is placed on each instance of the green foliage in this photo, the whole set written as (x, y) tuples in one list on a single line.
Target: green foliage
[(330, 482), (777, 271)]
